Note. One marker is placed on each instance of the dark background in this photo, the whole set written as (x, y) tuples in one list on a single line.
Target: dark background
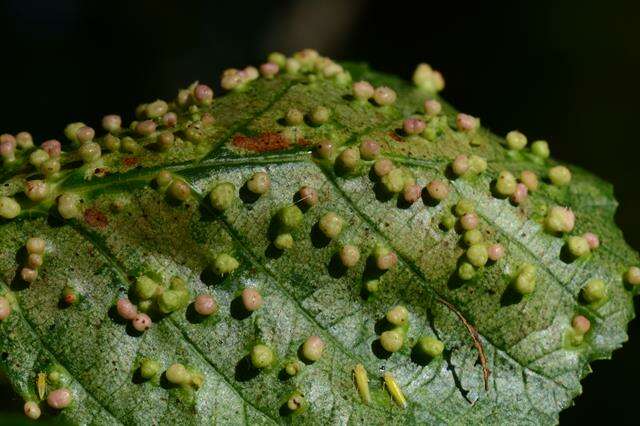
[(566, 71)]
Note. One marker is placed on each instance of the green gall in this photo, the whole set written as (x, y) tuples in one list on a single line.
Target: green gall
[(430, 346), (5, 308), (516, 140), (261, 356), (633, 275), (384, 96), (259, 183), (391, 340), (372, 286), (295, 402), (112, 143), (179, 190), (383, 167), (222, 196), (71, 131), (385, 258), (251, 299), (9, 208), (466, 271), (149, 368), (477, 164), (37, 157), (578, 246), (580, 324), (331, 225), (540, 149), (477, 255), (145, 306), (292, 368), (560, 219), (348, 159), (464, 206), (129, 144), (525, 282), (69, 206), (178, 374), (24, 140), (224, 264), (313, 348), (438, 190), (460, 165), (294, 117), (36, 190), (427, 78), (32, 410), (319, 115), (170, 301), (505, 184), (50, 167), (349, 255), (145, 288), (594, 291), (560, 176), (393, 181), (283, 241), (448, 221), (164, 178), (369, 149), (290, 217), (69, 296), (398, 315), (59, 398), (165, 141), (362, 90), (277, 58)]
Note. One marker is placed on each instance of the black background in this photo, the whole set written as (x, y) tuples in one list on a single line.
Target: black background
[(566, 71)]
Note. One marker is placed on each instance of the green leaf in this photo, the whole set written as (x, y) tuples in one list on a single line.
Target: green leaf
[(506, 358)]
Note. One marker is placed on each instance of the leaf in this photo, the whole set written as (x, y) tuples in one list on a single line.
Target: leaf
[(505, 360)]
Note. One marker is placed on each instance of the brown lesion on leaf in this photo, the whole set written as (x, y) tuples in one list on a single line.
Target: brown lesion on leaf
[(130, 161), (95, 218), (476, 342), (265, 142)]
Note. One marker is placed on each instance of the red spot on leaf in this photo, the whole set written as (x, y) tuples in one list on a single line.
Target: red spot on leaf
[(130, 161), (95, 218), (261, 143), (395, 136)]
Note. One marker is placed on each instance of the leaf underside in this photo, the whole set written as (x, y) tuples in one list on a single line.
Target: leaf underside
[(534, 373)]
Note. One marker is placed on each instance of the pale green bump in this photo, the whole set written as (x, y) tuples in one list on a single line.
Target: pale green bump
[(9, 208), (516, 140), (398, 315), (560, 176), (430, 346), (391, 340), (277, 58), (145, 287), (506, 183), (464, 206), (290, 217), (224, 264), (448, 221), (37, 157), (633, 275), (348, 159), (578, 246), (261, 356), (331, 225), (472, 237), (149, 368), (594, 291), (170, 301), (283, 241), (466, 271), (540, 149), (222, 196), (477, 164), (372, 286), (525, 282), (393, 181), (71, 130), (320, 115), (178, 374), (477, 255)]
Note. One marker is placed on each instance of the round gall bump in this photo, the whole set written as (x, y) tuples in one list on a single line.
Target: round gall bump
[(202, 94), (393, 182), (69, 206), (24, 140), (384, 96), (469, 221), (5, 308), (529, 179), (294, 117), (283, 241), (277, 58), (594, 291), (8, 139), (292, 66), (385, 258), (398, 315), (477, 255), (36, 190), (146, 127), (438, 190), (464, 206), (295, 402), (430, 346), (290, 217), (313, 348), (391, 340), (369, 149), (592, 240), (149, 368), (165, 141), (348, 159), (633, 275), (580, 324), (112, 143), (383, 167), (560, 176), (324, 150), (158, 108), (8, 151), (411, 193), (170, 119), (331, 225), (413, 126), (205, 305), (9, 208), (505, 184), (141, 322), (71, 131), (50, 167), (447, 221), (126, 309), (460, 165), (363, 90), (516, 140), (308, 196), (37, 157), (495, 252), (560, 219), (59, 398), (472, 237), (520, 194), (259, 183), (52, 147), (85, 134), (34, 261), (35, 245), (540, 149), (467, 123), (224, 264), (432, 107), (90, 152), (466, 271), (222, 196), (178, 374), (292, 368), (525, 282), (111, 123), (32, 410), (349, 255), (578, 246), (261, 356), (179, 190), (251, 299), (269, 69)]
